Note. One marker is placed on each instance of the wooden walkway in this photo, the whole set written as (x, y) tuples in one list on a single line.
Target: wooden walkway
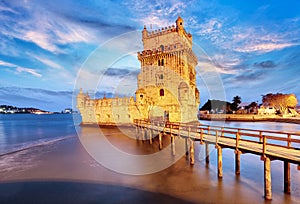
[(270, 145)]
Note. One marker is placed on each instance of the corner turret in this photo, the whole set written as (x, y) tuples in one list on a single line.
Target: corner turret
[(179, 25)]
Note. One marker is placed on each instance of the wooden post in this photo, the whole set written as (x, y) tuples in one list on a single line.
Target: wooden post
[(207, 153), (264, 144), (287, 177), (201, 136), (186, 147), (173, 144), (136, 132), (220, 167), (160, 141), (216, 138), (288, 140), (267, 175), (237, 162), (150, 136), (260, 137), (142, 133), (192, 152), (237, 140)]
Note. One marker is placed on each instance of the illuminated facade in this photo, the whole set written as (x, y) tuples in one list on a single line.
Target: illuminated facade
[(166, 83)]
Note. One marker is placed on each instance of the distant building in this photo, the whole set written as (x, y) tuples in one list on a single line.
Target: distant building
[(68, 111), (266, 110), (166, 83)]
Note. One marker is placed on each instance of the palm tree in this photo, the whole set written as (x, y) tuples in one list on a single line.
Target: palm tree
[(236, 102)]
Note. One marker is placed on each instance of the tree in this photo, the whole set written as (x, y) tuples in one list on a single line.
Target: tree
[(216, 106), (236, 102), (252, 107), (282, 102)]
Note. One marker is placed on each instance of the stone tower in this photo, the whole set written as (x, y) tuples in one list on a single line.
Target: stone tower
[(167, 80), (166, 83)]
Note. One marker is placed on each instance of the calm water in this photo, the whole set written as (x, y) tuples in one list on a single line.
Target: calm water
[(23, 132)]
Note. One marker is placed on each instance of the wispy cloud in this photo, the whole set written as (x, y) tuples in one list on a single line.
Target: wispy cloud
[(6, 64), (158, 13), (214, 68), (44, 29), (28, 70), (264, 47), (20, 69), (48, 62)]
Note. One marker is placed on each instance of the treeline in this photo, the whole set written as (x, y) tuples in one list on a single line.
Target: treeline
[(283, 103)]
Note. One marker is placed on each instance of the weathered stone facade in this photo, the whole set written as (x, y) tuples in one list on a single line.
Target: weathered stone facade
[(166, 83)]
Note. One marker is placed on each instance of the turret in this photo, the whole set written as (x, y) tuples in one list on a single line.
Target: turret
[(80, 99), (144, 32), (179, 25)]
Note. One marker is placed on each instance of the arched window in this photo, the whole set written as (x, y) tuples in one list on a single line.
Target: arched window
[(158, 62), (161, 92), (162, 62), (162, 48)]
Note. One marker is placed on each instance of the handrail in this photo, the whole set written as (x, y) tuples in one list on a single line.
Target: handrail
[(266, 137)]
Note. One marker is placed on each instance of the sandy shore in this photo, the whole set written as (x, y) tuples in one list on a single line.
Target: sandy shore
[(64, 172)]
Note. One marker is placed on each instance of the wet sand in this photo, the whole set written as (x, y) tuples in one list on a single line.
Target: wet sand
[(64, 172)]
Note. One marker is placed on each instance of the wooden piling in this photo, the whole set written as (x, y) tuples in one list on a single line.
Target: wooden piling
[(220, 166), (150, 136), (160, 141), (136, 132), (207, 153), (192, 152), (173, 144), (237, 162), (287, 177), (267, 177), (186, 147), (143, 134)]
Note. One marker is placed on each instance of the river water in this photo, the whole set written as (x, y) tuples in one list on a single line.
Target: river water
[(47, 148)]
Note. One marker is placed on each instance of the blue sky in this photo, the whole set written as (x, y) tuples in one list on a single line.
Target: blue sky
[(254, 46)]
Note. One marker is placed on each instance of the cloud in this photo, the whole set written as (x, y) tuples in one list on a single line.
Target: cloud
[(264, 47), (48, 62), (215, 68), (211, 27), (6, 64), (120, 72), (250, 76), (20, 69), (7, 9), (265, 64), (158, 13), (44, 29), (28, 70), (34, 97)]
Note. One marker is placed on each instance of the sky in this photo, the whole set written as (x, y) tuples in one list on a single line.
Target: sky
[(253, 47)]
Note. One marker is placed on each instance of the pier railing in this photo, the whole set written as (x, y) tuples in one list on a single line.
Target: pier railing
[(270, 145)]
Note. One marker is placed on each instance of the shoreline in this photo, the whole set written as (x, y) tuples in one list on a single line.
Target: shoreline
[(248, 118), (78, 178)]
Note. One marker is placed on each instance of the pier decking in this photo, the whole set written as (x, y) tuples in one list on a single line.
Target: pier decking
[(270, 145)]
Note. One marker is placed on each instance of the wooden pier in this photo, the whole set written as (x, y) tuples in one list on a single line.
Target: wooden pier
[(270, 145)]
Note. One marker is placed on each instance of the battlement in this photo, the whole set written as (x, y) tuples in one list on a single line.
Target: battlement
[(166, 30), (178, 33), (115, 101), (168, 49)]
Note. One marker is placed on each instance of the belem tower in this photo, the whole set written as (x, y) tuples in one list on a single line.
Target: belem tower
[(166, 83)]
